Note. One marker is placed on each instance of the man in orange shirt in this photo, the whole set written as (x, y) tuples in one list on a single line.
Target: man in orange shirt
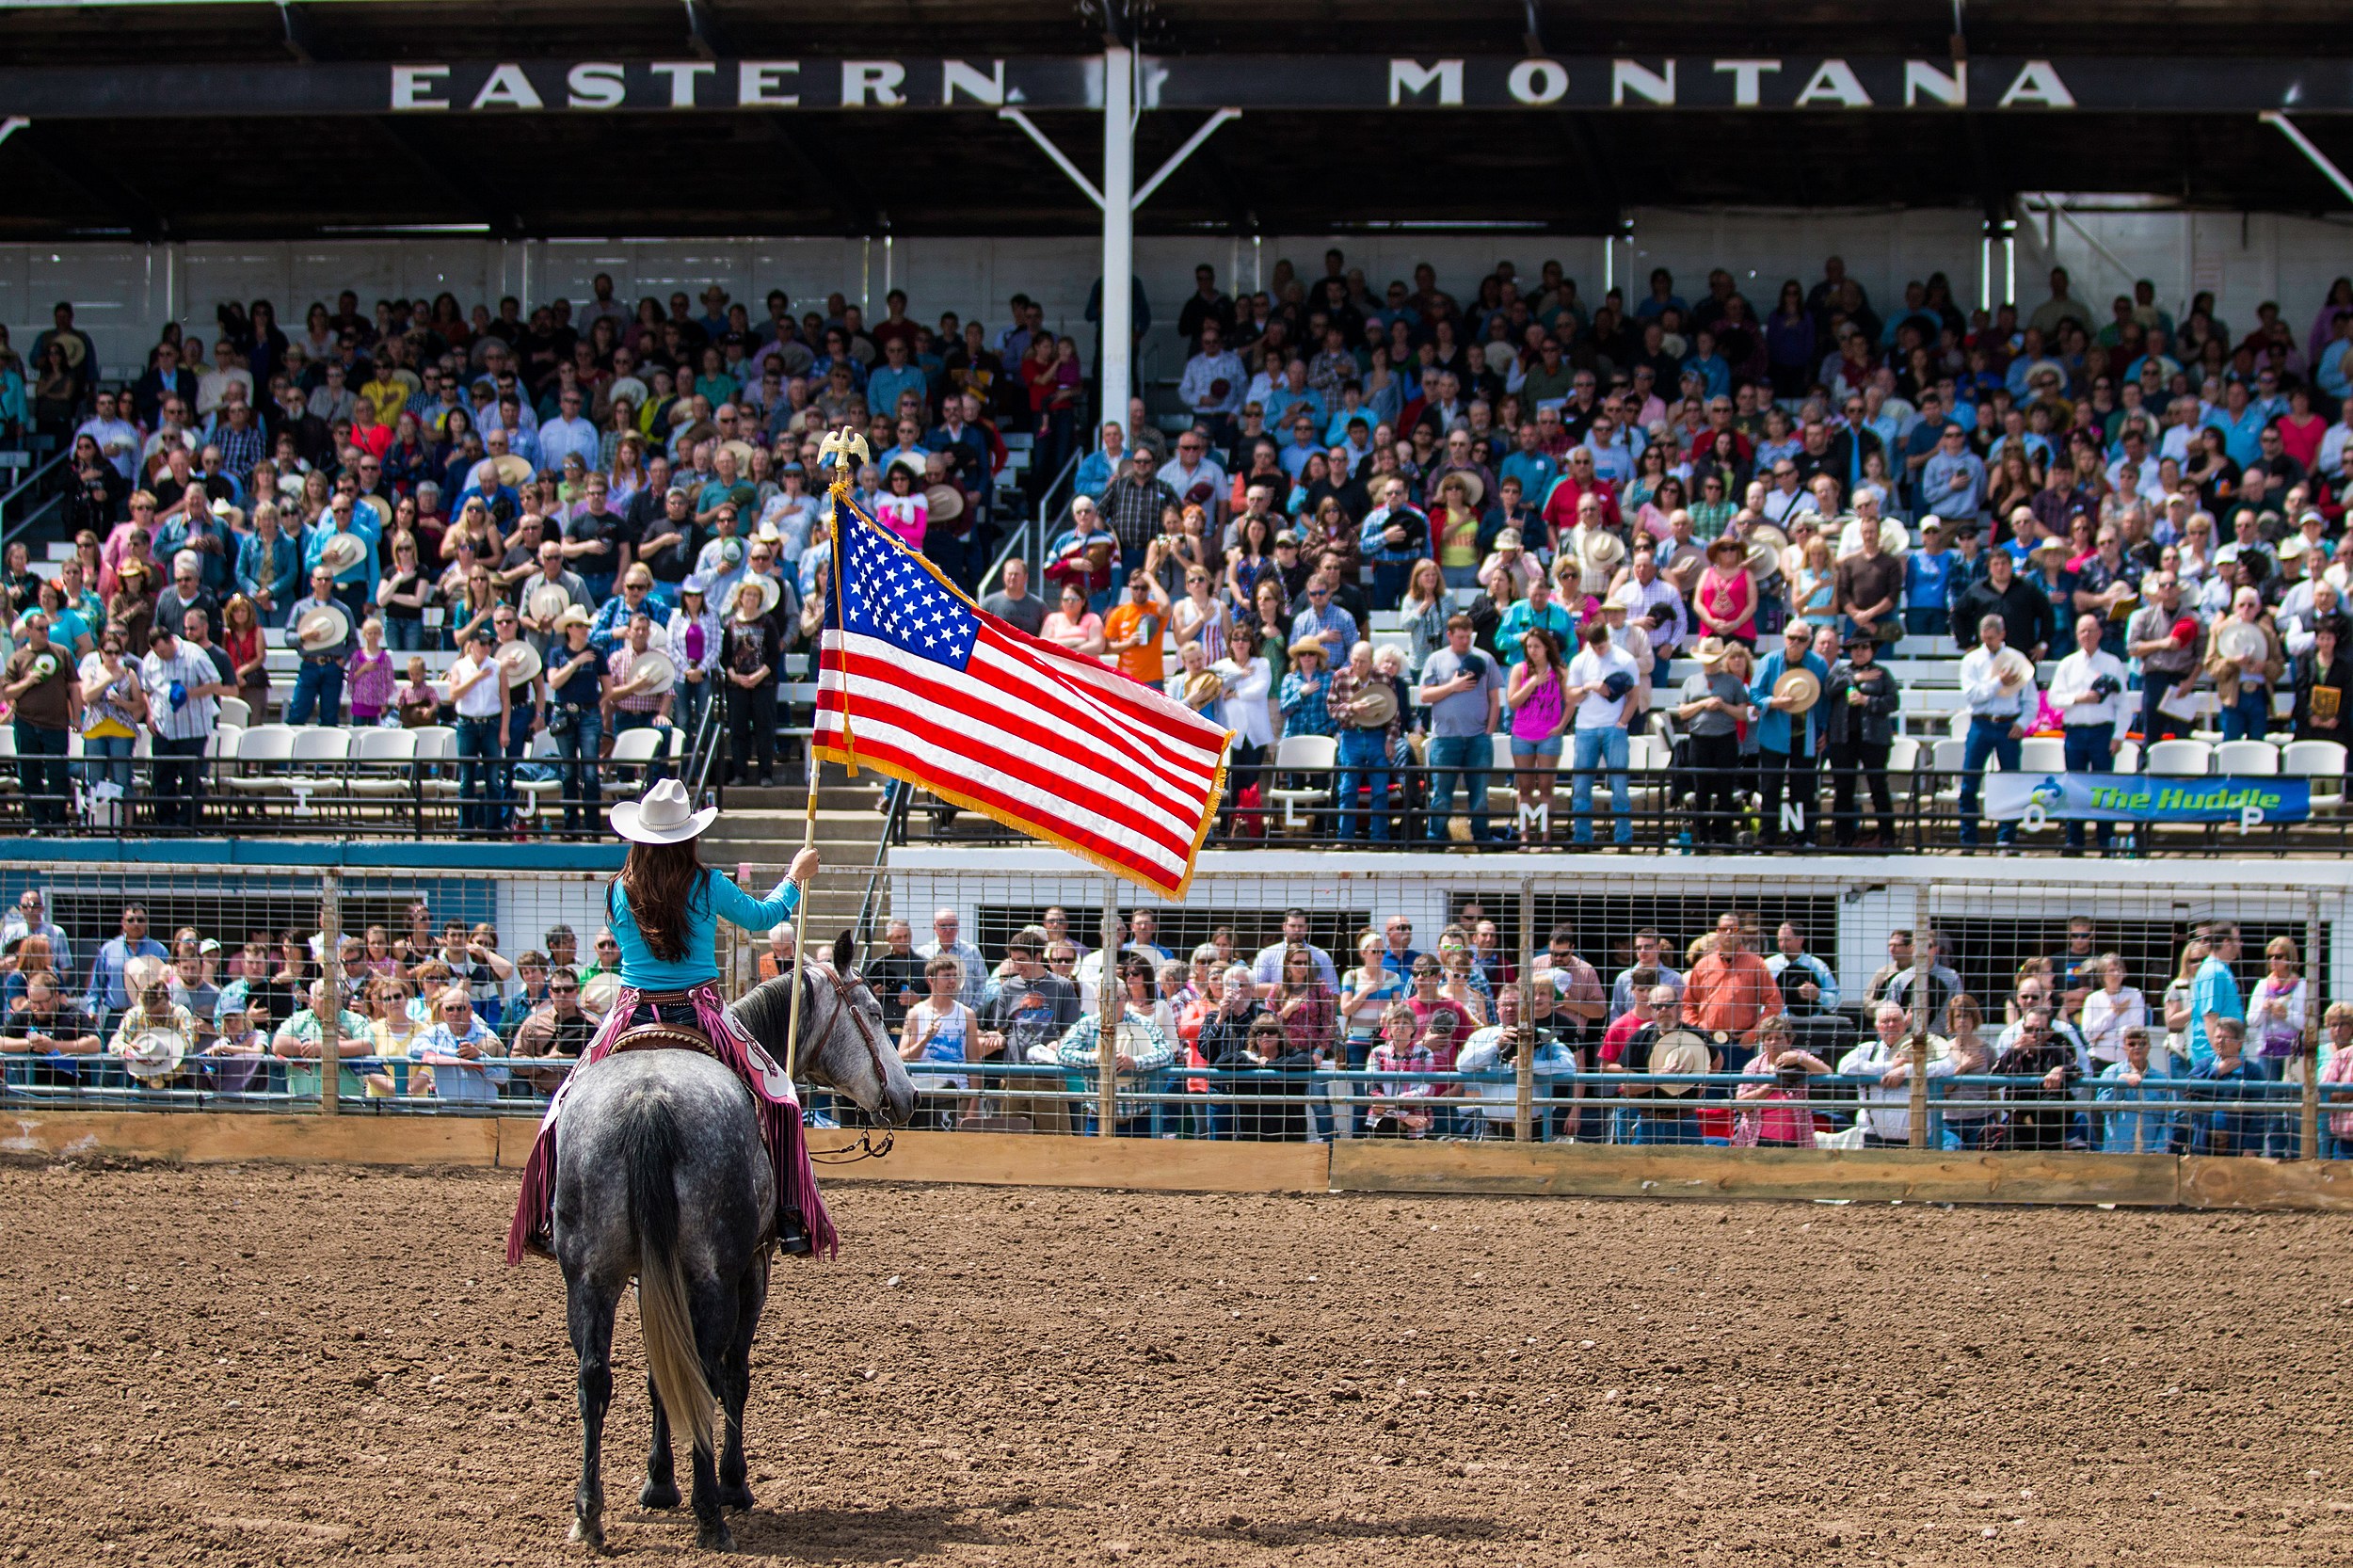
[(1730, 989), (1131, 632)]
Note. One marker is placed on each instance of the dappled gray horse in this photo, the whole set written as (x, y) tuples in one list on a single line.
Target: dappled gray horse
[(661, 1173)]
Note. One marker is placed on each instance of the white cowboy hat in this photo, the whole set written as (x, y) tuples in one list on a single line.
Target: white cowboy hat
[(324, 627), (599, 992), (142, 975), (629, 387), (519, 660), (381, 507), (154, 1055), (548, 599), (666, 816), (339, 553), (658, 665)]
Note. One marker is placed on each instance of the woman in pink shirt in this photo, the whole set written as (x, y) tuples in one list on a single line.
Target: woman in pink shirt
[(1726, 599), (901, 508), (1074, 626)]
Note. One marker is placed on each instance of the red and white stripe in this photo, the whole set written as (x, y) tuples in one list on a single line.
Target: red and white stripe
[(1050, 743)]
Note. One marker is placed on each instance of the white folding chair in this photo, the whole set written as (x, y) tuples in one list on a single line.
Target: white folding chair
[(2246, 759), (2323, 764), (2042, 754), (1309, 754), (261, 750), (2178, 759), (381, 763)]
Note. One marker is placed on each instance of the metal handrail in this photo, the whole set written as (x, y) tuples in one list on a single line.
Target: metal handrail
[(38, 477), (1032, 531), (866, 908), (702, 749)]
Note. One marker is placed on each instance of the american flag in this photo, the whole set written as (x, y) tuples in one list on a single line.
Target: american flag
[(918, 683)]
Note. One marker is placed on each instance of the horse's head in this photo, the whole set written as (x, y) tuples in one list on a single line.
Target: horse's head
[(845, 1045)]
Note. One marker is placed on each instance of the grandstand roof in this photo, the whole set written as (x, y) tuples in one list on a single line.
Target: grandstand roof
[(346, 160)]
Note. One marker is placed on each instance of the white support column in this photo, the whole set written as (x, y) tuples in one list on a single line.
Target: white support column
[(2320, 160), (1117, 371)]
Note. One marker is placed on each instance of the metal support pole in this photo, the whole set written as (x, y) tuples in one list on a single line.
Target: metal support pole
[(2308, 1141), (1524, 1092), (1918, 1132), (1119, 233), (331, 1017), (1110, 1002), (2320, 160)]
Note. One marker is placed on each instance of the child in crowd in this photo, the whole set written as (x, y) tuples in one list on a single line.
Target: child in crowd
[(370, 672)]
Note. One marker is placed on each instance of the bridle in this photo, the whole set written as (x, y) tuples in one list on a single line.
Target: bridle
[(845, 990)]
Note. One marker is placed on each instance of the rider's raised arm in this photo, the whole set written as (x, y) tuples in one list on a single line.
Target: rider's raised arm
[(733, 903)]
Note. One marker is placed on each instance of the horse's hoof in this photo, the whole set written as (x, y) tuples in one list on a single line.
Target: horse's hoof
[(716, 1538), (658, 1495), (587, 1532), (736, 1495)]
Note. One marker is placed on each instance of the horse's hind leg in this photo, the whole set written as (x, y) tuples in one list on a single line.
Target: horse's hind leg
[(734, 1490), (588, 1312), (660, 1488), (714, 1307)]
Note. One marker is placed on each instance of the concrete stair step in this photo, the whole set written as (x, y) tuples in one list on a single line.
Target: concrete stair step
[(831, 797)]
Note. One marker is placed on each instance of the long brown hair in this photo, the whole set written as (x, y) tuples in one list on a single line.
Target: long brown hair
[(658, 879)]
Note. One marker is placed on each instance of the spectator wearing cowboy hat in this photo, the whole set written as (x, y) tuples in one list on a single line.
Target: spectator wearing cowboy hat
[(323, 633)]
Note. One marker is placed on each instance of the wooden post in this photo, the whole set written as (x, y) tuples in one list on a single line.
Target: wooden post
[(330, 1021), (1918, 1131), (1524, 1092), (2308, 1142), (1110, 1003)]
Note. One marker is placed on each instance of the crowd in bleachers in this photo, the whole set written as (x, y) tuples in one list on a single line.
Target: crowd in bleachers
[(1509, 530)]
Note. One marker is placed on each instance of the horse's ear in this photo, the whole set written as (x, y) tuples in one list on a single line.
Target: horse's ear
[(844, 949)]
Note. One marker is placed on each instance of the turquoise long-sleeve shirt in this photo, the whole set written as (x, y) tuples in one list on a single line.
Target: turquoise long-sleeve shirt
[(715, 897)]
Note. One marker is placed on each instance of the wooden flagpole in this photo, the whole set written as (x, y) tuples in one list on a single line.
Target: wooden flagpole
[(838, 446)]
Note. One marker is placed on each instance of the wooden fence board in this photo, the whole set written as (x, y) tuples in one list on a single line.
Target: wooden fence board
[(1045, 1159), (2325, 1185), (1370, 1165), (210, 1138)]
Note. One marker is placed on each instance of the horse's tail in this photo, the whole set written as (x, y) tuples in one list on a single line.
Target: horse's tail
[(654, 1149)]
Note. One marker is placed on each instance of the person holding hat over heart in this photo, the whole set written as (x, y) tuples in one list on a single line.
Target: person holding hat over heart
[(639, 692), (320, 630), (663, 909), (1306, 691), (1789, 735), (344, 541)]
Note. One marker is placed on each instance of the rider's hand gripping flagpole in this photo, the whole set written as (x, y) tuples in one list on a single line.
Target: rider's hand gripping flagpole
[(840, 446)]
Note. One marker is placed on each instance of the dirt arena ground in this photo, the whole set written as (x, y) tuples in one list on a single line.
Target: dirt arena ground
[(268, 1365)]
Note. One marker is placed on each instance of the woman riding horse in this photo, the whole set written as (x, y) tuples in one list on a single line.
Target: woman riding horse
[(665, 910)]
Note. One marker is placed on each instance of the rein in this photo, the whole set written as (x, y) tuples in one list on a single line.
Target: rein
[(865, 1148)]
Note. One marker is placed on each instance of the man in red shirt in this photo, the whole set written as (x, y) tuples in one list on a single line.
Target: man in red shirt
[(1730, 989), (1577, 481)]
